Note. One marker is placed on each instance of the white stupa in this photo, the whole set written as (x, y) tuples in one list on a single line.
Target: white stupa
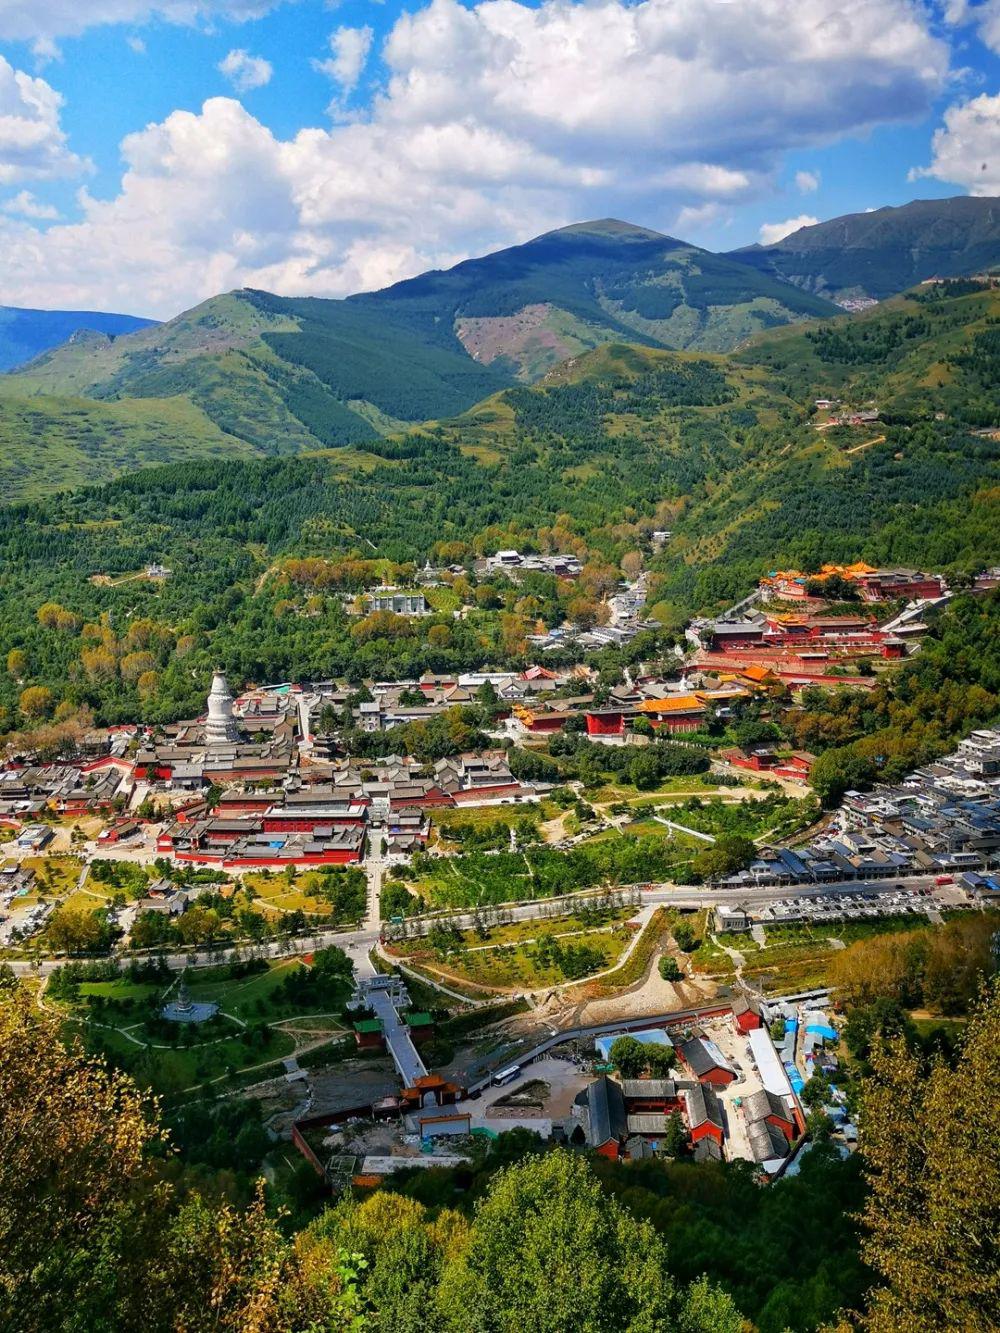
[(220, 726)]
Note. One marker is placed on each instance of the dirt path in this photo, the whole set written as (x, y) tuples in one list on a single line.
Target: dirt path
[(879, 439), (650, 995)]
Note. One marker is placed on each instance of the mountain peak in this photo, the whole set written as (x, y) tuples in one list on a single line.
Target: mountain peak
[(611, 227)]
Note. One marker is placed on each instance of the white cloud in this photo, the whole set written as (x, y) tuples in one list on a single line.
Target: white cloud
[(495, 122), (693, 217), (777, 231), (349, 49), (966, 150), (807, 182), (137, 45), (45, 50), (244, 71), (34, 20), (25, 205), (32, 142), (984, 16)]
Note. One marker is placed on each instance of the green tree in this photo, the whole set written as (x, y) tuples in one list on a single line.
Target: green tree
[(77, 930), (729, 853), (660, 1060), (675, 1138), (644, 770), (549, 1253), (709, 1309), (628, 1056), (684, 936), (932, 1156)]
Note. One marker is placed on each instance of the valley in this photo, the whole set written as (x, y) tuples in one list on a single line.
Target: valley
[(540, 717)]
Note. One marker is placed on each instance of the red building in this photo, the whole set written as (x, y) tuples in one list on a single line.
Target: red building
[(707, 1062), (682, 713), (418, 796), (703, 1114), (746, 1014), (607, 722), (651, 1096), (604, 1112), (768, 1107), (541, 723), (888, 584), (369, 1035)]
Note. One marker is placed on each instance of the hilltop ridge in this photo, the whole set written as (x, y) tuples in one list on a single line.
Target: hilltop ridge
[(880, 253)]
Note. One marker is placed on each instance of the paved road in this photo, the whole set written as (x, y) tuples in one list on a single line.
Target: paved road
[(358, 943)]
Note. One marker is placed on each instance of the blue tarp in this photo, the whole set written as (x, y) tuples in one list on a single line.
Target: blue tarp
[(648, 1037), (820, 1030), (794, 1078)]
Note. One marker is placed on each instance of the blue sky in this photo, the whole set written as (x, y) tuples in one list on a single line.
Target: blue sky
[(153, 152)]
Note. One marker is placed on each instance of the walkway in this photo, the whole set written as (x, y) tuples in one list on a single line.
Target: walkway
[(681, 828), (408, 1063)]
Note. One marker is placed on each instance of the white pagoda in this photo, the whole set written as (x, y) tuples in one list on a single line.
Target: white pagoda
[(220, 726)]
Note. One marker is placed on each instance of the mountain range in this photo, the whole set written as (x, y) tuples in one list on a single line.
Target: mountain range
[(284, 374), (250, 373), (25, 334), (887, 250)]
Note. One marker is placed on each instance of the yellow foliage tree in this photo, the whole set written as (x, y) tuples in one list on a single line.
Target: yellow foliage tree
[(932, 1154), (148, 683), (133, 665), (98, 663), (48, 614), (36, 701), (91, 1237)]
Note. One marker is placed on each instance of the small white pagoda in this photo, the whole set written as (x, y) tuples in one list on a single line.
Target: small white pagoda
[(220, 727)]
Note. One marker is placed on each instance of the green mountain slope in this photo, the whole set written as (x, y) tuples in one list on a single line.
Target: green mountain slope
[(52, 444), (273, 375), (529, 307), (919, 487), (281, 375), (25, 334), (722, 450), (884, 252)]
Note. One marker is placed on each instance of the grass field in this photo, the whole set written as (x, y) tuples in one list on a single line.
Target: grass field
[(121, 1018), (75, 441), (516, 956), (174, 1069), (307, 891), (54, 875), (698, 784)]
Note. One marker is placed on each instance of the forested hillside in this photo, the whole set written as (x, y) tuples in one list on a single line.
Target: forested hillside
[(264, 554), (887, 250), (276, 374), (268, 554), (919, 486), (129, 1229), (262, 374), (530, 307)]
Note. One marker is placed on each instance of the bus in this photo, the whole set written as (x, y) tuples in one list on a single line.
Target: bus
[(505, 1075)]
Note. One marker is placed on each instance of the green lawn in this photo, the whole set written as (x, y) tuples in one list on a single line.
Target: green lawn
[(178, 1068), (518, 961), (249, 998), (202, 1053), (119, 990)]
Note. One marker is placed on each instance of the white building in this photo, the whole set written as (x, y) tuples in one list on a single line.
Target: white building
[(220, 726)]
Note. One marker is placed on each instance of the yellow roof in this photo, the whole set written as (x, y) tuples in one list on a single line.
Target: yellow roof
[(680, 703), (755, 672)]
